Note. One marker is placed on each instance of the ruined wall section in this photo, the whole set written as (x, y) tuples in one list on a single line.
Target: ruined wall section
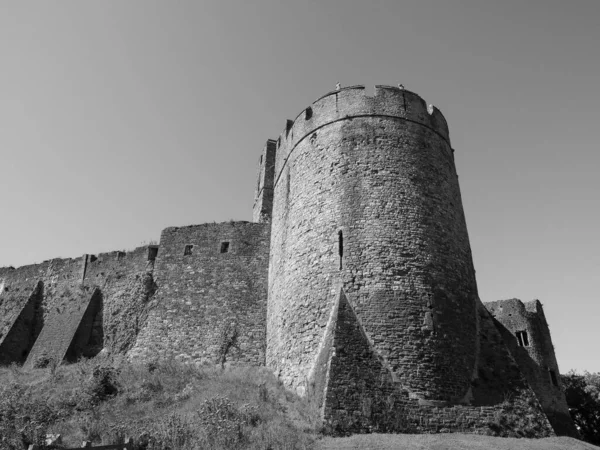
[(50, 280), (534, 353), (263, 195), (357, 393), (126, 282), (65, 307), (60, 291), (211, 300), (19, 326), (367, 198)]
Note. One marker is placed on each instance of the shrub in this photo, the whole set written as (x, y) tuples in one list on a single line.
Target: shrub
[(583, 398)]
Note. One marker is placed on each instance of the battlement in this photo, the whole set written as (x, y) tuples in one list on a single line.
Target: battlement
[(353, 101)]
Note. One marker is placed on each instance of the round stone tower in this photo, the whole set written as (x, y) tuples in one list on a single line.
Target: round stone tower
[(367, 204)]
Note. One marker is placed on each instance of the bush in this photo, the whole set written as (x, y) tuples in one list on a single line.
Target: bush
[(24, 417), (583, 398), (164, 405)]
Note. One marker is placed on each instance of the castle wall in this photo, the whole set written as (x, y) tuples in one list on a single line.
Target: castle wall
[(355, 284), (357, 392), (126, 282), (263, 196), (19, 326), (65, 310), (210, 305), (379, 170), (47, 302), (535, 357)]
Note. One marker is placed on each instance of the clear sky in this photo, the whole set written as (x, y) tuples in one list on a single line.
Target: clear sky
[(118, 119)]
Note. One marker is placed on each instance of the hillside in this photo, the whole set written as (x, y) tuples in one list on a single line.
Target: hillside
[(169, 405), (450, 442)]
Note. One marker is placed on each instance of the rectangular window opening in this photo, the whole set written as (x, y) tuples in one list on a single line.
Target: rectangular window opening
[(553, 377), (152, 252), (188, 250), (522, 339), (224, 247)]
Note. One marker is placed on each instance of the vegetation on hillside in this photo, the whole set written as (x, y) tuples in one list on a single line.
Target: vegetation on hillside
[(173, 406), (583, 397), (166, 406)]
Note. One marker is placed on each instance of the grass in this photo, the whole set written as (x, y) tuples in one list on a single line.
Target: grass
[(167, 405), (450, 442), (174, 406)]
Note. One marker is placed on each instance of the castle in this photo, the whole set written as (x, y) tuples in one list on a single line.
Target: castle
[(354, 283)]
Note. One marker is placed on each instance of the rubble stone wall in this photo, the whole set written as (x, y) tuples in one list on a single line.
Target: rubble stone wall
[(212, 291), (367, 198), (536, 359)]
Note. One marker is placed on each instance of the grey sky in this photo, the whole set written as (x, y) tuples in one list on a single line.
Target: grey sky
[(118, 119)]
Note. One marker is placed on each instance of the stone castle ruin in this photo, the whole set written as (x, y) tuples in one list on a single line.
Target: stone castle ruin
[(354, 283)]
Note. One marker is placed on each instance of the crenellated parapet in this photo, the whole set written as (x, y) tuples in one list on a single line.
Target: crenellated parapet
[(354, 102)]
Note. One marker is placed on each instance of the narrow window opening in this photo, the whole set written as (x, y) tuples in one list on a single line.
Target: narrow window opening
[(308, 113), (152, 252), (522, 339), (553, 377), (341, 246), (278, 141), (224, 247), (188, 250), (261, 158)]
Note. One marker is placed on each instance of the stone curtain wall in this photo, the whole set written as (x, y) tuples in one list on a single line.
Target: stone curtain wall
[(66, 307), (19, 327), (536, 359), (126, 282), (53, 280), (210, 306), (263, 196), (45, 304), (379, 170)]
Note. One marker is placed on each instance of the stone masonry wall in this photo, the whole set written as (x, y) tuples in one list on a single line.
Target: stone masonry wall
[(19, 326), (61, 291), (536, 359), (66, 307), (211, 302), (263, 196), (126, 282), (367, 198), (357, 392)]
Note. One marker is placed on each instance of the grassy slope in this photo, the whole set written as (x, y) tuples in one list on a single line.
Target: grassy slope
[(168, 405), (180, 407), (450, 442)]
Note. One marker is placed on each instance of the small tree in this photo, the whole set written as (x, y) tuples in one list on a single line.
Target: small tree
[(583, 399), (228, 339)]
